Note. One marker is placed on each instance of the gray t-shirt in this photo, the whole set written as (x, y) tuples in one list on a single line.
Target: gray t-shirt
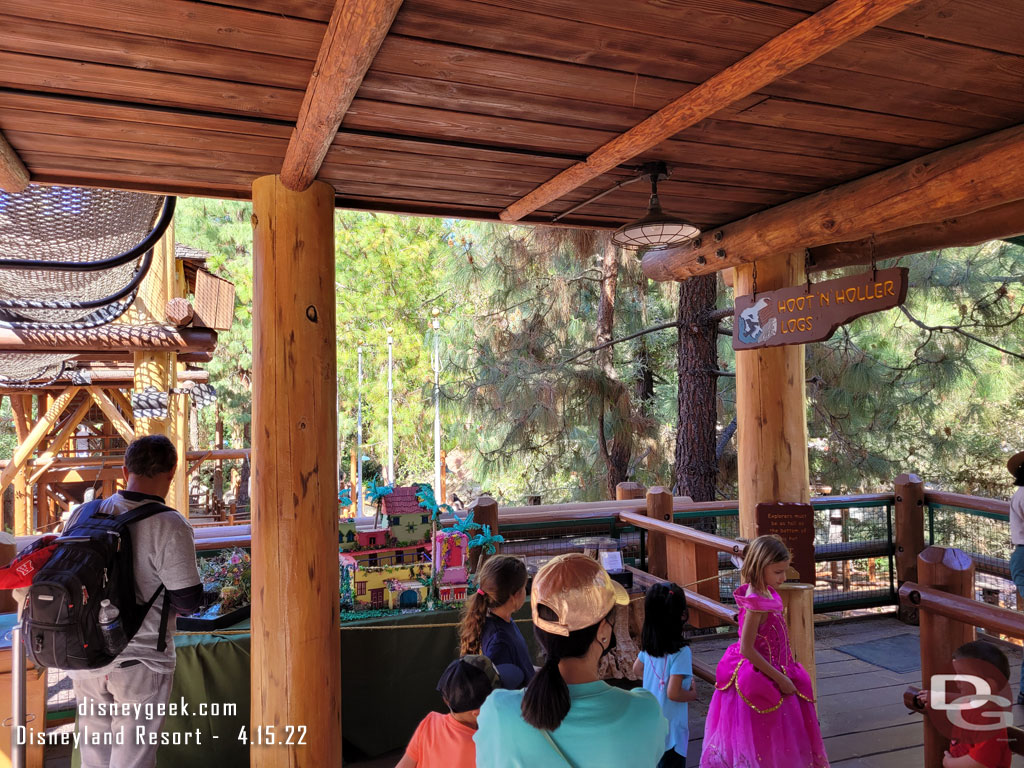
[(164, 553)]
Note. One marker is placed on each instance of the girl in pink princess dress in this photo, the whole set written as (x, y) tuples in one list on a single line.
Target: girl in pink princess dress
[(762, 712)]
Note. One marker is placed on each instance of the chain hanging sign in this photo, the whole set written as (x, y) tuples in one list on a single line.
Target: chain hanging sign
[(812, 312)]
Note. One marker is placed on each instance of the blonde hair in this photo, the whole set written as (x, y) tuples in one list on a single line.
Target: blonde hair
[(759, 554)]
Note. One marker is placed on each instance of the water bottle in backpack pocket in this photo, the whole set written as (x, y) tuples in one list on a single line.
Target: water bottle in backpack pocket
[(92, 565)]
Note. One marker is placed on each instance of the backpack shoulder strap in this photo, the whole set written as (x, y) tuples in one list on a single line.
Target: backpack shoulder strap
[(141, 512), (85, 512)]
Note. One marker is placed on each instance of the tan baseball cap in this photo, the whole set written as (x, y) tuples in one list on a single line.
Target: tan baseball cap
[(579, 592)]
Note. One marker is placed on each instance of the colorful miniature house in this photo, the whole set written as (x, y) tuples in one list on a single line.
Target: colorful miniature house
[(376, 538), (386, 586), (347, 535), (409, 522), (450, 551)]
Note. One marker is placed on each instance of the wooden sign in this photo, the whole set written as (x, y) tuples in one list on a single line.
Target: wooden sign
[(802, 313), (795, 524)]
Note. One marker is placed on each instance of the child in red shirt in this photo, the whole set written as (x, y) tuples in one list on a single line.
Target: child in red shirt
[(976, 748), (446, 741)]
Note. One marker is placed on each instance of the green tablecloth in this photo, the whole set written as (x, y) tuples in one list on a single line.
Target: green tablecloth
[(389, 679)]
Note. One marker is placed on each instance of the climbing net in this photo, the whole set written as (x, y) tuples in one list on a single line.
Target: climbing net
[(71, 258)]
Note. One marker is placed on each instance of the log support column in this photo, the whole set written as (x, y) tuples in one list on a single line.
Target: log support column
[(771, 405), (296, 662)]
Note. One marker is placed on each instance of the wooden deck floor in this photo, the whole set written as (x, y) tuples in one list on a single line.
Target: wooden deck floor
[(860, 705)]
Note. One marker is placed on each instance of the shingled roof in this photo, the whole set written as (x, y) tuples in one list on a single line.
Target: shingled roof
[(402, 501)]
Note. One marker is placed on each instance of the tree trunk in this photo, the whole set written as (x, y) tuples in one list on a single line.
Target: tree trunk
[(696, 468), (618, 451), (243, 487)]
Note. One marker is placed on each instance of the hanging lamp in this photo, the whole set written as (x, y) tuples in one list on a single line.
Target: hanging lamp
[(657, 229)]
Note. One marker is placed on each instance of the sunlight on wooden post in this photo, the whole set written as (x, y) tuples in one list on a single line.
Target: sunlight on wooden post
[(296, 640), (949, 570), (659, 507), (771, 406), (909, 535)]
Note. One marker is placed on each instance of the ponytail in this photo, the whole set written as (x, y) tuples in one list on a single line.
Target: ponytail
[(546, 701), (472, 625), (499, 578)]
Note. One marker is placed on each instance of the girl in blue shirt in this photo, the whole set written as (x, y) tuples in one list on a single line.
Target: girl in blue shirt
[(487, 626), (666, 664)]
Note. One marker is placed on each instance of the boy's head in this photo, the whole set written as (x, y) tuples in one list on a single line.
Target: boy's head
[(984, 660), (467, 682)]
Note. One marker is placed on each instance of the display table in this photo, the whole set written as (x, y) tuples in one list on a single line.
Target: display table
[(389, 673)]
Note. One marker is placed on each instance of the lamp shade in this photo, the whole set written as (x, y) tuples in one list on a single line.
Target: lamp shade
[(655, 230)]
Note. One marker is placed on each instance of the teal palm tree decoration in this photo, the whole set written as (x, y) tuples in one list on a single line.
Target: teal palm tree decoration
[(462, 524), (486, 541), (374, 493), (345, 497), (425, 497)]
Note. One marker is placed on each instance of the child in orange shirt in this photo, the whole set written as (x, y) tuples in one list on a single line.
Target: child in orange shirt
[(446, 741), (973, 748)]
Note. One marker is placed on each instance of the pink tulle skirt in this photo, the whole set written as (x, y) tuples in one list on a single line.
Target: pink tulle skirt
[(752, 725)]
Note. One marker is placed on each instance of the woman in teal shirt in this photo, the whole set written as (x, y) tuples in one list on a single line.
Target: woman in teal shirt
[(567, 716)]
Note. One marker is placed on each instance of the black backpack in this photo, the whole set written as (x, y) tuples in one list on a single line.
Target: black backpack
[(92, 562)]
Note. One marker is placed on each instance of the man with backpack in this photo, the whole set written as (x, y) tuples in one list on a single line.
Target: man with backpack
[(116, 697)]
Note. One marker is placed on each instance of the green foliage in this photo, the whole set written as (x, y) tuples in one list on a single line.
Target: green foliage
[(8, 438)]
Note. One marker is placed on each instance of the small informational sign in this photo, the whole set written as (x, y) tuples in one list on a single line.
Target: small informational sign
[(612, 561), (805, 313), (794, 523)]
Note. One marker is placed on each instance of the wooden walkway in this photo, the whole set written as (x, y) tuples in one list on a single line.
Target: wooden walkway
[(860, 705)]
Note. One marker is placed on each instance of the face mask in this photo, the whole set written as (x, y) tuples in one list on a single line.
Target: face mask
[(611, 642)]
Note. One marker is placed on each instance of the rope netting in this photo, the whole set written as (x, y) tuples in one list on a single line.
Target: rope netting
[(70, 258), (80, 228)]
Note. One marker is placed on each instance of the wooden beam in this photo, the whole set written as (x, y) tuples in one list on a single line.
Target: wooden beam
[(961, 180), (27, 446), (119, 422), (958, 232), (355, 33), (67, 429), (21, 407), (13, 173), (122, 401), (812, 38), (116, 338)]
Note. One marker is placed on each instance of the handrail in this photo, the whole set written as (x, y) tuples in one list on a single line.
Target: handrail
[(709, 540), (965, 501), (992, 618), (697, 601)]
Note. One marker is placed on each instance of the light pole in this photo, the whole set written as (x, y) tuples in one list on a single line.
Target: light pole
[(359, 435), (391, 408), (437, 402)]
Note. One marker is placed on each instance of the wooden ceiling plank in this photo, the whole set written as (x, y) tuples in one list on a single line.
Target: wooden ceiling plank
[(734, 127), (497, 131), (805, 42), (695, 59), (159, 88), (355, 32), (193, 22), (13, 173), (961, 231), (165, 54), (315, 10), (958, 181)]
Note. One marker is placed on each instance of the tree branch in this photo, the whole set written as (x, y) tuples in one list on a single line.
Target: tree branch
[(961, 331), (652, 329)]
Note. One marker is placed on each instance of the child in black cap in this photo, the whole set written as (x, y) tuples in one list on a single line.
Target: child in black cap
[(446, 741)]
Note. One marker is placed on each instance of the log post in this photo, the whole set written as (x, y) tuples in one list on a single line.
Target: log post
[(628, 491), (659, 507), (771, 405), (296, 663), (694, 567), (798, 602), (908, 529), (485, 512), (949, 570), (22, 505)]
